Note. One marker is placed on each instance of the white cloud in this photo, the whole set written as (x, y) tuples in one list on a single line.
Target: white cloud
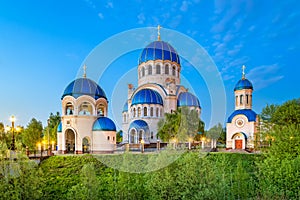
[(109, 5), (264, 76), (100, 15), (184, 6), (141, 18)]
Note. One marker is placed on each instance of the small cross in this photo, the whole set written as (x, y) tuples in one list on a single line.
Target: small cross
[(158, 32), (243, 72), (84, 70)]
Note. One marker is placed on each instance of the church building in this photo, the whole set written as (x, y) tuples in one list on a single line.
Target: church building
[(242, 124), (158, 92), (85, 127)]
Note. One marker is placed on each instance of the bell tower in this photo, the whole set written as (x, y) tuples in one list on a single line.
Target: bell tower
[(243, 93)]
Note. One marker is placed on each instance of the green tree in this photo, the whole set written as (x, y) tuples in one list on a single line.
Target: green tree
[(53, 121), (119, 136), (181, 124), (32, 134), (214, 133), (287, 113)]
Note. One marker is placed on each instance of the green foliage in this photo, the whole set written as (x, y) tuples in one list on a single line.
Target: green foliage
[(51, 128), (279, 171), (181, 125), (287, 113), (32, 133)]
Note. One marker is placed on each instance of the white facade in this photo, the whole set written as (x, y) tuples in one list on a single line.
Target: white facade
[(157, 93)]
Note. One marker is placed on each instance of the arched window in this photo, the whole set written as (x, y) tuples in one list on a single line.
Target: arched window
[(143, 71), (178, 73), (161, 112), (151, 111), (108, 137), (236, 100), (167, 69), (100, 110), (134, 112), (85, 109), (151, 135), (157, 112), (145, 111), (139, 111), (149, 70), (69, 109), (247, 99), (157, 69), (173, 71), (241, 99)]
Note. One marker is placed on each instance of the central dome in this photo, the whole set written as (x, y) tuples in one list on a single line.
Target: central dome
[(84, 86), (147, 96), (159, 50)]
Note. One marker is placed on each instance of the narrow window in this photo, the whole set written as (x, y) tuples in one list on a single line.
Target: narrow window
[(134, 112), (167, 69), (145, 111), (173, 71), (151, 111), (149, 70), (139, 111), (157, 69), (247, 99), (108, 138), (143, 71), (241, 99)]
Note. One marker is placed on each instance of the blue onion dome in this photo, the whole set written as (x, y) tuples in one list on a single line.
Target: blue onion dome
[(243, 84), (139, 124), (187, 99), (250, 114), (125, 107), (159, 50), (59, 128), (84, 86), (147, 96), (104, 124)]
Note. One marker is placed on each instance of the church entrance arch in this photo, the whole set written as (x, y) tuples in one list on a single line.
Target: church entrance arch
[(239, 141), (86, 145), (70, 141), (132, 136)]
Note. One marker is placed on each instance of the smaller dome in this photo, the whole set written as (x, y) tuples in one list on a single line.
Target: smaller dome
[(104, 124), (125, 107), (138, 125), (84, 86), (59, 127), (250, 114), (243, 84), (147, 96), (187, 99)]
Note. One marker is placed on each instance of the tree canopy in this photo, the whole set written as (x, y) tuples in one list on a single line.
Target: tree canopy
[(181, 125), (32, 134)]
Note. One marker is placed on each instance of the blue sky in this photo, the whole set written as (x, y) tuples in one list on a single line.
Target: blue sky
[(43, 44)]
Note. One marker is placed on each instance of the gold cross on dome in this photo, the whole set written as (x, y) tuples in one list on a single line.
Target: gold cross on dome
[(243, 72), (84, 70), (158, 32)]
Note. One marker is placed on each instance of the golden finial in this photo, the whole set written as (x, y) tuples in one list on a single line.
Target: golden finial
[(158, 32), (84, 70), (243, 71)]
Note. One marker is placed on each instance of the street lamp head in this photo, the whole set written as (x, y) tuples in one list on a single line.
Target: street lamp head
[(142, 141), (12, 118)]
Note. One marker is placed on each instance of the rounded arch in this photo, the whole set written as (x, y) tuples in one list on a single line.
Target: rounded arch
[(70, 140), (239, 140), (86, 144)]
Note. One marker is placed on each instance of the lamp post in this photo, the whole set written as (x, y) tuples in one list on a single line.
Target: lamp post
[(48, 122), (13, 119), (142, 147)]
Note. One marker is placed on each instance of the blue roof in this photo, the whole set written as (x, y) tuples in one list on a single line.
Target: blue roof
[(147, 96), (139, 124), (159, 50), (84, 86), (59, 128), (104, 124), (243, 84), (187, 99), (125, 107), (250, 114)]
